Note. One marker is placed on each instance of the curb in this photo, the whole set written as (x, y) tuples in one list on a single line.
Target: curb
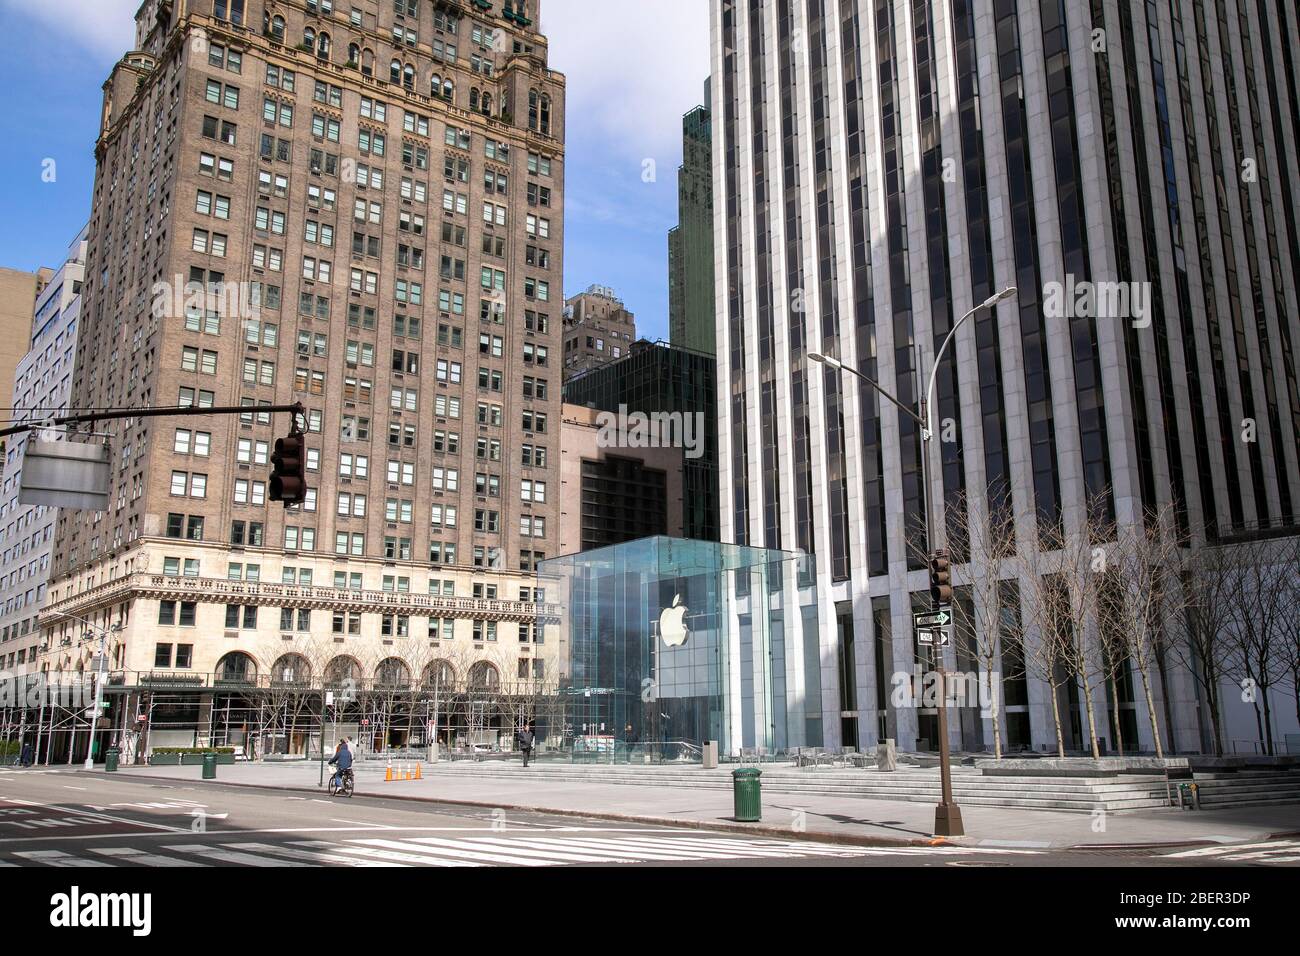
[(848, 839), (732, 826)]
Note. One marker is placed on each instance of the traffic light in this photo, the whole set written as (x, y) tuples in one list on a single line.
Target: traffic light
[(940, 578), (288, 481)]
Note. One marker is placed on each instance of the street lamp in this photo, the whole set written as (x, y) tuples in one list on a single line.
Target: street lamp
[(99, 678), (947, 815)]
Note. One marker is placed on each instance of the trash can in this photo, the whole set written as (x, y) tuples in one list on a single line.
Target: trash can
[(209, 766), (748, 794), (110, 759)]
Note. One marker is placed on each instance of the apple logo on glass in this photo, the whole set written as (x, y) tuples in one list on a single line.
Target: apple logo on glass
[(672, 624)]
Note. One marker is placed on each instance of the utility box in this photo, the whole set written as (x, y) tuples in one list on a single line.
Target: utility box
[(710, 755)]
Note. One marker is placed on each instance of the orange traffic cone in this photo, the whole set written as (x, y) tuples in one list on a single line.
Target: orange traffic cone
[(388, 775), (418, 775)]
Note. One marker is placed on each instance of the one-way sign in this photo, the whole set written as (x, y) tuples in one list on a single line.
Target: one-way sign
[(932, 620)]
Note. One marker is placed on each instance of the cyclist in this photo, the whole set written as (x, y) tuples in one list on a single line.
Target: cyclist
[(343, 759)]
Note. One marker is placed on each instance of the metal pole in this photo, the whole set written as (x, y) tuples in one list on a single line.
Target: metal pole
[(99, 694), (322, 734), (947, 815)]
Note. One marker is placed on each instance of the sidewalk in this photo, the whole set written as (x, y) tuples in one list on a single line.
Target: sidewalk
[(832, 818)]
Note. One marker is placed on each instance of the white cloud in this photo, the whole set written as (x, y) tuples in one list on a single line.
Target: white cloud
[(633, 68), (105, 28)]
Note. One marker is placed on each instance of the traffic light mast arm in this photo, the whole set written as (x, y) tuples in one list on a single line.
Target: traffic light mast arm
[(177, 411)]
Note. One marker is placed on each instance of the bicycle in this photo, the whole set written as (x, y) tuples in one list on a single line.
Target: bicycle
[(341, 788)]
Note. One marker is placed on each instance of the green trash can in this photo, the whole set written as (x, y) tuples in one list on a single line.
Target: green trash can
[(747, 793), (110, 759), (209, 766)]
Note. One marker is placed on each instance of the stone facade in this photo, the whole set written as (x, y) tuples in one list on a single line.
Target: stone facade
[(381, 187)]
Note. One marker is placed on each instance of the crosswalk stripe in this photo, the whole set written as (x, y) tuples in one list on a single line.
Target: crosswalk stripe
[(58, 858), (1234, 848), (310, 857), (707, 850), (612, 846), (376, 854), (705, 846), (144, 859), (1266, 855), (575, 855), (455, 850), (230, 856)]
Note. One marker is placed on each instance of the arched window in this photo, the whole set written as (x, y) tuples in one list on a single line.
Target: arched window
[(435, 85), (354, 54), (342, 672), (395, 72), (448, 88), (439, 674), (473, 99), (545, 127), (487, 103), (236, 666), (532, 109), (309, 38), (408, 77), (290, 669), (367, 63), (277, 28), (392, 672), (484, 676), (323, 46)]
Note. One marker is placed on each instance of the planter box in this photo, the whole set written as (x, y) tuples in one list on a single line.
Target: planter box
[(165, 760)]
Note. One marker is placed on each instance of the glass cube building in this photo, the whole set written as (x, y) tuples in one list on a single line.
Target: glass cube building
[(687, 641)]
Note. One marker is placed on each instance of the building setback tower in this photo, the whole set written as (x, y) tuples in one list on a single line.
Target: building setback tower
[(42, 382), (373, 193), (883, 166), (597, 330), (690, 242)]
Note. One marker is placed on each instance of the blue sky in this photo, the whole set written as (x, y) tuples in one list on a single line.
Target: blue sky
[(624, 130)]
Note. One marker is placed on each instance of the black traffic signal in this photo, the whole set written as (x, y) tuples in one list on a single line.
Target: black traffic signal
[(288, 464), (940, 578)]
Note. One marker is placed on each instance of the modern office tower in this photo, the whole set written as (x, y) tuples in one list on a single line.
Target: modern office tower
[(690, 242), (372, 194), (623, 479), (42, 381), (597, 330), (677, 387), (885, 166)]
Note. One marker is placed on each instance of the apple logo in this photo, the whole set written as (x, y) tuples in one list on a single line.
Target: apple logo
[(672, 625)]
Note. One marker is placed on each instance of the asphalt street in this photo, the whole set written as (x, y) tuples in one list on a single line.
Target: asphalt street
[(66, 818)]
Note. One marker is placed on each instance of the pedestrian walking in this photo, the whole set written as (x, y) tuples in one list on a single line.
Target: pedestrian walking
[(25, 758), (629, 741), (525, 739)]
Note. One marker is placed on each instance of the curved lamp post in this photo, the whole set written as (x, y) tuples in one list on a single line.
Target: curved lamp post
[(947, 815)]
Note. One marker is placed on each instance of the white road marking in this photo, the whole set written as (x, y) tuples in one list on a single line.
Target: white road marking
[(58, 858), (310, 857), (229, 856), (1223, 850), (455, 850), (374, 854), (133, 855)]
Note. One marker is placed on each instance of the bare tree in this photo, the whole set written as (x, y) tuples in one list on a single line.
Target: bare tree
[(1201, 635), (982, 542), (1064, 574), (1261, 613), (1143, 564)]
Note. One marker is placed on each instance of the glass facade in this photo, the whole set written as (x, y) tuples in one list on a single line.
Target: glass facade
[(683, 642)]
